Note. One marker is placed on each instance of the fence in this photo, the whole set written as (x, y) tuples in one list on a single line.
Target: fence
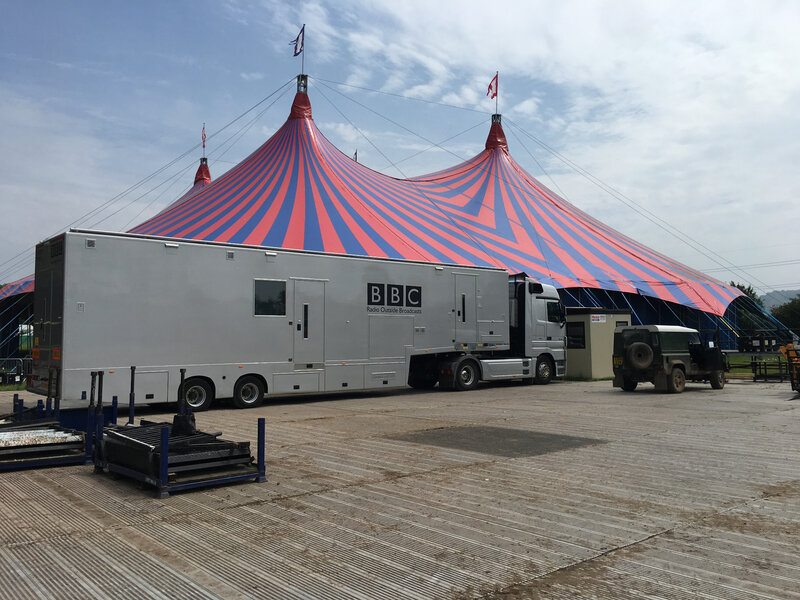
[(14, 370)]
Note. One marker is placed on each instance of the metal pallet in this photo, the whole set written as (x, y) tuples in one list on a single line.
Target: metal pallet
[(153, 454), (32, 437)]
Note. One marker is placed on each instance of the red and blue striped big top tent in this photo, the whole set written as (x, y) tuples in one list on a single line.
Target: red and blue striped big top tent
[(298, 191)]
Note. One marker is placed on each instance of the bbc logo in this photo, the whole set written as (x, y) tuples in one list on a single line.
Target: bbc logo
[(391, 294)]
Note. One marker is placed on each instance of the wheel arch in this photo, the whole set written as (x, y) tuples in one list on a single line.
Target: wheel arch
[(678, 363)]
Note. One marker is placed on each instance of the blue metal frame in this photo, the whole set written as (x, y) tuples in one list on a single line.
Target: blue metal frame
[(44, 411), (162, 485), (647, 311)]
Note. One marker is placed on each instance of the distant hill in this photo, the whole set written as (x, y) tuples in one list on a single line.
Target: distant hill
[(776, 298)]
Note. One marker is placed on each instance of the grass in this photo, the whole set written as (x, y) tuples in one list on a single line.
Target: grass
[(12, 387), (740, 360)]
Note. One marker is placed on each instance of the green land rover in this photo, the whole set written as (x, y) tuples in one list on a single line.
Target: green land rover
[(666, 356)]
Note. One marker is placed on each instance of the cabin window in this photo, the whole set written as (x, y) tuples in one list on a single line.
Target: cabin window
[(555, 312), (674, 342), (270, 297)]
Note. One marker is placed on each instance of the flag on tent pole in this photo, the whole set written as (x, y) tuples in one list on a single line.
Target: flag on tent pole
[(298, 41), (493, 87), (204, 136), (355, 155)]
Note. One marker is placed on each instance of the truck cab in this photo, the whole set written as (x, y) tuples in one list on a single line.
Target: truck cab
[(537, 320)]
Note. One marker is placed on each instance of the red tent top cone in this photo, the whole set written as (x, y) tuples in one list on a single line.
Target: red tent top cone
[(203, 175), (497, 137)]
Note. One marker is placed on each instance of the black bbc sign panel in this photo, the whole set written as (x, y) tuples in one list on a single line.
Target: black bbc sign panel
[(392, 294)]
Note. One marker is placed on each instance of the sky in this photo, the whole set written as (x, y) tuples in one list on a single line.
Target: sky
[(676, 123)]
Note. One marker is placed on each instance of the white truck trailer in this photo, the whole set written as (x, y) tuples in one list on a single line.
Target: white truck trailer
[(248, 322)]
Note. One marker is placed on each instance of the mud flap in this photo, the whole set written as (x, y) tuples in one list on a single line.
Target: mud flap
[(447, 374), (660, 381)]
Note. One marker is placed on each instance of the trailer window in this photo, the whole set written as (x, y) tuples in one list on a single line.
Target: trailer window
[(270, 297)]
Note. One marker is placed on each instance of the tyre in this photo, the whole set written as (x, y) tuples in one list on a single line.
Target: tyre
[(629, 385), (544, 370), (640, 355), (199, 394), (248, 392), (467, 375), (676, 381), (718, 380)]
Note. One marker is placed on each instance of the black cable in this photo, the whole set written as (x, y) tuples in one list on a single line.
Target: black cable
[(649, 215), (366, 89)]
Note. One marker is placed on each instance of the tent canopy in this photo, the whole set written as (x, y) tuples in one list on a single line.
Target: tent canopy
[(298, 191)]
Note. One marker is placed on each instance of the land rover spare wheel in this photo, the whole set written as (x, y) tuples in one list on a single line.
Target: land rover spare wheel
[(640, 355)]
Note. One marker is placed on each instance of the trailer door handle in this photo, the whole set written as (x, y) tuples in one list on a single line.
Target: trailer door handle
[(299, 327)]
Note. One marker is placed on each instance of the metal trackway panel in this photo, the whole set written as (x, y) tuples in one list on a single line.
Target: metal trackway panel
[(695, 495)]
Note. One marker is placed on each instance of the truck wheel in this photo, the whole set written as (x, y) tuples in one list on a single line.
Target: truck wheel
[(248, 392), (640, 355), (676, 382), (629, 384), (199, 394), (544, 370), (718, 380), (467, 375)]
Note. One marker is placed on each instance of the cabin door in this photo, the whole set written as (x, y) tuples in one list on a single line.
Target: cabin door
[(309, 323), (466, 309)]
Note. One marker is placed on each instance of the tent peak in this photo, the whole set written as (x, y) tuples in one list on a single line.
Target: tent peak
[(301, 107), (497, 137), (203, 175)]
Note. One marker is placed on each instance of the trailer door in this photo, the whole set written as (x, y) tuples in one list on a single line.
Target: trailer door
[(465, 309), (309, 322)]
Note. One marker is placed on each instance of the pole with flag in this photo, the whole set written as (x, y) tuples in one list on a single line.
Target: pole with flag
[(203, 137), (299, 43), (492, 91)]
